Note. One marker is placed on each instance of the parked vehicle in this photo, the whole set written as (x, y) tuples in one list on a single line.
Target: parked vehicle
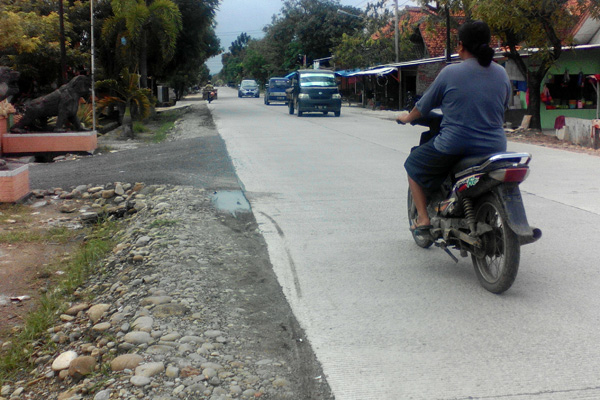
[(314, 90), (248, 88), (479, 211), (275, 90)]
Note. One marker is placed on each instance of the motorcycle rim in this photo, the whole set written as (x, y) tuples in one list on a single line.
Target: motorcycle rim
[(497, 267)]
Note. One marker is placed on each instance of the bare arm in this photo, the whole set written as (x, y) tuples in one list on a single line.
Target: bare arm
[(407, 117)]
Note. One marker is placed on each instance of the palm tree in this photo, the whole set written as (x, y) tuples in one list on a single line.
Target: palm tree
[(125, 93), (138, 25)]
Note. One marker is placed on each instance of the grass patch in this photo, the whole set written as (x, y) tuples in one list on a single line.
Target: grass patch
[(100, 239), (165, 121), (16, 212), (55, 234), (139, 127)]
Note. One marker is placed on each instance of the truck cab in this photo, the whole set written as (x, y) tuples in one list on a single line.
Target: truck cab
[(314, 90)]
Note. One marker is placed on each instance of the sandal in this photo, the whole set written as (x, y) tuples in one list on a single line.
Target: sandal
[(419, 228)]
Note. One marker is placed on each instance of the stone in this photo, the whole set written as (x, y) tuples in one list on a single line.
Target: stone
[(64, 360), (140, 381), (101, 327), (150, 369), (172, 372), (169, 310), (126, 361), (155, 300), (62, 103), (82, 366), (76, 308), (138, 337), (143, 324), (96, 312), (102, 395)]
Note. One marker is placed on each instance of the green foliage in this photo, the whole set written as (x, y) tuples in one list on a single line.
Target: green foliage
[(100, 241), (126, 95), (196, 43), (141, 34), (540, 24)]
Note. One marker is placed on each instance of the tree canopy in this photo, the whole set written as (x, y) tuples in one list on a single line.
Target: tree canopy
[(169, 40)]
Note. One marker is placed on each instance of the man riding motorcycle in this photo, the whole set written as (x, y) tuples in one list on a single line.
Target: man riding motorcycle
[(473, 96)]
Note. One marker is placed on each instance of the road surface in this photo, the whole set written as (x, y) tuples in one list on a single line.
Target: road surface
[(389, 320)]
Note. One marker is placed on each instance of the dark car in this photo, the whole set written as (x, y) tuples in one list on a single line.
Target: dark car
[(314, 90), (248, 88), (275, 90)]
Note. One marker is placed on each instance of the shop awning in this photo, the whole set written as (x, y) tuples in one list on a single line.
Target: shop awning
[(374, 71)]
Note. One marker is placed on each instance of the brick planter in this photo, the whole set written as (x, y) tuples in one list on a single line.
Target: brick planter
[(30, 143), (14, 183)]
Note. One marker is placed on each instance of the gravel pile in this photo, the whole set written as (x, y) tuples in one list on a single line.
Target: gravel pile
[(186, 307)]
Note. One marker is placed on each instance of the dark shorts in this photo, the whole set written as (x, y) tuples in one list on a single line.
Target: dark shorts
[(429, 167)]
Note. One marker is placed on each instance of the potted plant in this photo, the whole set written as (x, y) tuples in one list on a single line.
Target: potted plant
[(6, 111)]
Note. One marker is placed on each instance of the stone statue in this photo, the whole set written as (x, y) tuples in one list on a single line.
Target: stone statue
[(8, 83), (63, 103)]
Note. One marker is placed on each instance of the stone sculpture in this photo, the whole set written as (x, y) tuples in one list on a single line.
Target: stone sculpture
[(63, 103), (8, 83)]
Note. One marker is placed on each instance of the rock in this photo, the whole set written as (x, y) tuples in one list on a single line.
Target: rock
[(97, 311), (64, 360), (102, 395), (140, 380), (150, 369), (138, 337), (82, 366), (166, 310), (107, 194), (126, 361), (172, 372), (71, 394), (143, 324), (101, 327), (155, 300), (75, 309)]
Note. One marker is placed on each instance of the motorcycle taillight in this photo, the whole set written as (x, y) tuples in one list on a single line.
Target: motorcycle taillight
[(510, 174)]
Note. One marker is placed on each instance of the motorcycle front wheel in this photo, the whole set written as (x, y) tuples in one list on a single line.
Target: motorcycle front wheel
[(423, 241), (497, 264)]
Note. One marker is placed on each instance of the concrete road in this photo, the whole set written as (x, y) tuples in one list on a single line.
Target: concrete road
[(389, 320)]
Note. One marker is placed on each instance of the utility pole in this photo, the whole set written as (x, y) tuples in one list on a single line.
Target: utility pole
[(397, 57), (396, 27), (63, 52), (448, 52)]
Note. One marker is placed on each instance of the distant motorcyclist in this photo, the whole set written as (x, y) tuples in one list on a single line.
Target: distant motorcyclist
[(209, 89)]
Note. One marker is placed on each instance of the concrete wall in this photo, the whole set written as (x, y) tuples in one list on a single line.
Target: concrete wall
[(578, 131)]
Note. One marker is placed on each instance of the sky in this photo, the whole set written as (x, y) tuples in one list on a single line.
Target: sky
[(250, 16)]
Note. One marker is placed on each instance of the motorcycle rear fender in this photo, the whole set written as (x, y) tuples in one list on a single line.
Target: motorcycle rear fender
[(510, 198)]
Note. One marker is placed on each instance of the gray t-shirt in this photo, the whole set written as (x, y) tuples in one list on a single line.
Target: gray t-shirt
[(473, 99)]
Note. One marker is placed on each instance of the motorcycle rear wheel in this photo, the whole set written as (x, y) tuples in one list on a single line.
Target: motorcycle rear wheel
[(424, 241), (497, 268)]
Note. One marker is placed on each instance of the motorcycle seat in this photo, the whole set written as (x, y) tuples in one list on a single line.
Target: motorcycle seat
[(487, 162)]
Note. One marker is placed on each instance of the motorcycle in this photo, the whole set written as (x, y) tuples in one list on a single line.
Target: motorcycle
[(211, 96), (479, 211)]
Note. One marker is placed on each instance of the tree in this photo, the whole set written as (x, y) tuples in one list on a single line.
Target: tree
[(196, 43), (233, 61), (540, 24), (374, 43), (30, 42), (137, 27), (132, 101)]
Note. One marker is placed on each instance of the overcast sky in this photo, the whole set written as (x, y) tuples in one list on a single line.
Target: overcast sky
[(250, 16)]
